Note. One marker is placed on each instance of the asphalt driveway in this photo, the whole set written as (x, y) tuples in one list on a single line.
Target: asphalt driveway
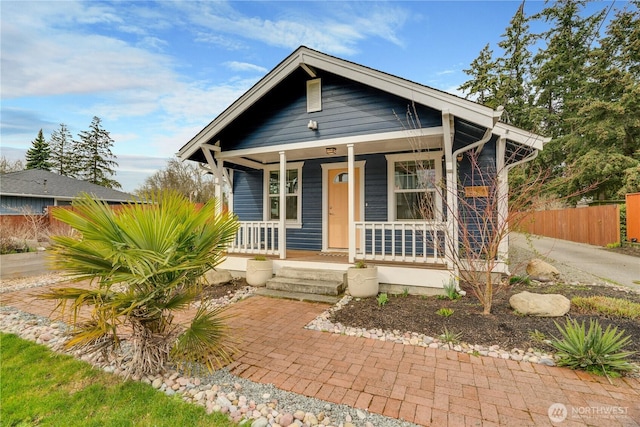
[(579, 261)]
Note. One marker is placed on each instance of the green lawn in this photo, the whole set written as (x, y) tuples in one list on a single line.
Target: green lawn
[(40, 387)]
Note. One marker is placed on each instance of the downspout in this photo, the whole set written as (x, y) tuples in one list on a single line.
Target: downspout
[(454, 208), (504, 245)]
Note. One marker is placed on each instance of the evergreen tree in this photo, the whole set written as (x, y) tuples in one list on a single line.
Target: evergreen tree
[(514, 67), (483, 87), (559, 76), (38, 155), (63, 157), (560, 66), (95, 158), (604, 149)]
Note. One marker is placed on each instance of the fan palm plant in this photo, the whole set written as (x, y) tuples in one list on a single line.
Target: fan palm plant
[(147, 260)]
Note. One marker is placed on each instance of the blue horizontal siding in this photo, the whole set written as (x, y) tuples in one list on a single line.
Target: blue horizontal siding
[(475, 211), (348, 109), (248, 195), (14, 205)]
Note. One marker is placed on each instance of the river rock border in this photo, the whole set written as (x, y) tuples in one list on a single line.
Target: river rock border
[(245, 402), (323, 324)]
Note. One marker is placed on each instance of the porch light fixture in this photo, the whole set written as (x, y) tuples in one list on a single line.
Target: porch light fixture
[(459, 157), (331, 151), (312, 125)]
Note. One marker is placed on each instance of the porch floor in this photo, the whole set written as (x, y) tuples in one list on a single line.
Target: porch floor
[(340, 258)]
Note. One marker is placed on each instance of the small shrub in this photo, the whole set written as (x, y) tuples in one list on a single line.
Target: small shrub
[(613, 245), (514, 280), (537, 336), (592, 350), (608, 306), (444, 311), (450, 291), (260, 258), (382, 299), (360, 264), (405, 292), (450, 337)]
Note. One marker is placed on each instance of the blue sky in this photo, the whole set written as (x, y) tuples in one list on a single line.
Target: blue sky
[(158, 72)]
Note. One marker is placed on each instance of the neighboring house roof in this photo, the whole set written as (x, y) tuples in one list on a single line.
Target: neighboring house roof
[(41, 183), (309, 59)]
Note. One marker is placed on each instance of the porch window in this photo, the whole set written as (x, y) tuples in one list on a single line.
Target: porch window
[(412, 186), (293, 193)]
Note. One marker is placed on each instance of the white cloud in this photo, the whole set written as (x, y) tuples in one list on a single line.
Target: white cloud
[(45, 51), (245, 66), (320, 25)]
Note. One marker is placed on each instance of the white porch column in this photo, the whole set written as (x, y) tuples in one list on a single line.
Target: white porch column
[(219, 188), (503, 199), (282, 226), (217, 169), (451, 238), (351, 189)]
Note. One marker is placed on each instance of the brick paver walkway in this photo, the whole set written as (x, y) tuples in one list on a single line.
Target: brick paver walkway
[(422, 385)]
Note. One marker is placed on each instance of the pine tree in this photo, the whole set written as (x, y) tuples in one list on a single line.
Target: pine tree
[(514, 67), (95, 158), (559, 73), (63, 157), (559, 76), (605, 147), (483, 87), (38, 155)]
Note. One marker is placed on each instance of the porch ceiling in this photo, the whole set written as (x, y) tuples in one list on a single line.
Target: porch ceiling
[(414, 140)]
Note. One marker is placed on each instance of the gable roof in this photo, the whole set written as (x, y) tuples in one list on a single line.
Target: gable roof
[(308, 59), (41, 183)]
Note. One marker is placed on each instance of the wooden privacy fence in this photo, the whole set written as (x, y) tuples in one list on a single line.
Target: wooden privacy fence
[(633, 217), (595, 225)]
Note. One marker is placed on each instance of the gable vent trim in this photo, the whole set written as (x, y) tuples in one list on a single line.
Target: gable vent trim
[(314, 95)]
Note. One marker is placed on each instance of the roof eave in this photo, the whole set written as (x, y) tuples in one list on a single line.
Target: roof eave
[(415, 92), (521, 136)]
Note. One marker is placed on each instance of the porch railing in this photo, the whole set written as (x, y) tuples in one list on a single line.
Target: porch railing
[(420, 241), (256, 237)]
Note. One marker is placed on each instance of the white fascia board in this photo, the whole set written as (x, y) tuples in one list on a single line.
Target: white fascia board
[(521, 136), (242, 104), (357, 139), (245, 162)]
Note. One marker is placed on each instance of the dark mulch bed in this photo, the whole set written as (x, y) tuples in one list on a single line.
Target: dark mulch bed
[(503, 327), (225, 289)]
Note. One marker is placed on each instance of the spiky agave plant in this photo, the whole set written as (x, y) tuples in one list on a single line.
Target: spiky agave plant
[(592, 350), (145, 261)]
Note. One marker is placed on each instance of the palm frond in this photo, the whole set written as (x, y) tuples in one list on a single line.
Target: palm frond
[(206, 341)]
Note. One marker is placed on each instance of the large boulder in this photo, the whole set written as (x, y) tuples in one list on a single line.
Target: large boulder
[(218, 277), (544, 305), (542, 271)]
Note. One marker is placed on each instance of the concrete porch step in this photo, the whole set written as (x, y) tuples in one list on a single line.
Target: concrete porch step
[(311, 274), (309, 286), (291, 282), (299, 296)]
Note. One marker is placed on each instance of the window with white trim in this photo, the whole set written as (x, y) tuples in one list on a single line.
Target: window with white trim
[(413, 180), (293, 193)]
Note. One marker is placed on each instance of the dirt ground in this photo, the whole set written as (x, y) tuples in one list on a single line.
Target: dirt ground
[(503, 327)]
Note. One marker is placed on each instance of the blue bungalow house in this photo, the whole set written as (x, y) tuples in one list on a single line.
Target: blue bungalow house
[(321, 160)]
